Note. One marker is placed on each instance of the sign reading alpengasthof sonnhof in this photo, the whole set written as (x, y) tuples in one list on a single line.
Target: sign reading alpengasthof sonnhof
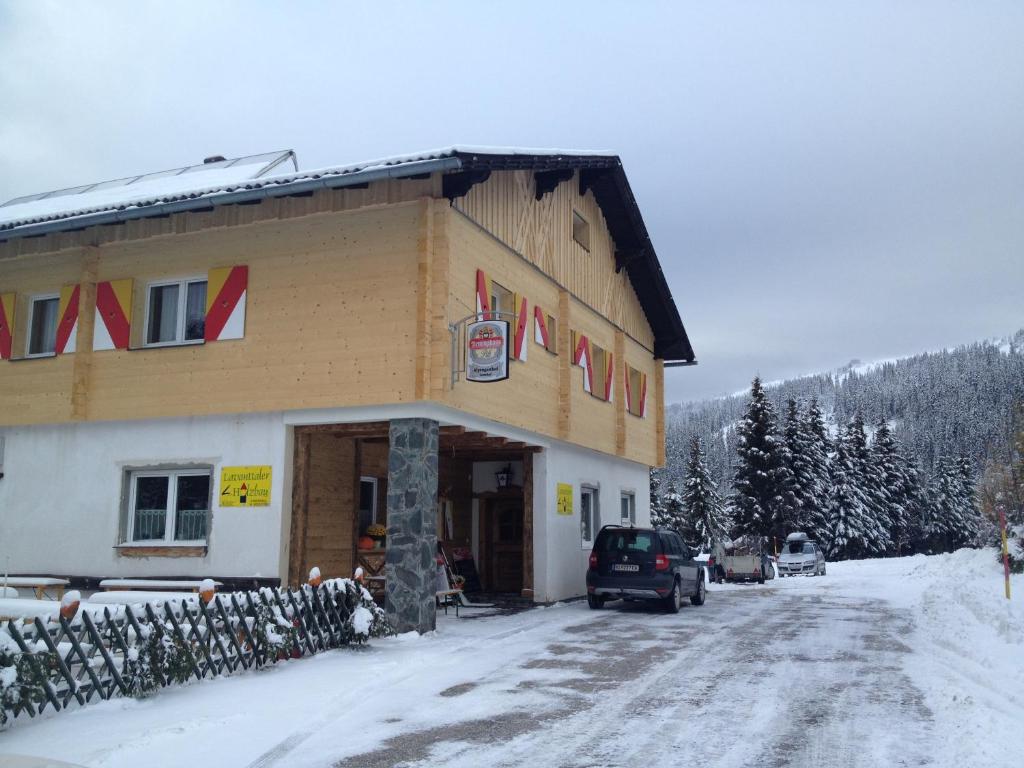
[(245, 486), (487, 351)]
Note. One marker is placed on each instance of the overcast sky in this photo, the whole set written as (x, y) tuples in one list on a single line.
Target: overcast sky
[(822, 180)]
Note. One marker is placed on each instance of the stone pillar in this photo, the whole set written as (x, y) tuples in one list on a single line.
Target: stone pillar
[(410, 564)]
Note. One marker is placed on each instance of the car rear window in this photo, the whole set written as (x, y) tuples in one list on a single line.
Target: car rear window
[(627, 541)]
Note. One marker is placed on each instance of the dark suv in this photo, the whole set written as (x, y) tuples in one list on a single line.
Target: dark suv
[(643, 564)]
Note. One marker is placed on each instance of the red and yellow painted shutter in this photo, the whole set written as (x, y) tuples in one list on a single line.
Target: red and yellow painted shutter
[(483, 296), (225, 303), (581, 357), (540, 327), (609, 376), (643, 394), (521, 321), (112, 329), (67, 319), (6, 325)]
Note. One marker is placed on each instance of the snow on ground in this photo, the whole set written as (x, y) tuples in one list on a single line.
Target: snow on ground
[(915, 661)]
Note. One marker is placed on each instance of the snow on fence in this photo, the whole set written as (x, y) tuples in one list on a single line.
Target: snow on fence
[(135, 650)]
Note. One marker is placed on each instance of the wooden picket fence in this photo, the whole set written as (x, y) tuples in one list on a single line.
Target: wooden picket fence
[(84, 660)]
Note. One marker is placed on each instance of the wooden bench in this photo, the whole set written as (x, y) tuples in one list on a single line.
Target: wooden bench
[(446, 597), (154, 585), (39, 584)]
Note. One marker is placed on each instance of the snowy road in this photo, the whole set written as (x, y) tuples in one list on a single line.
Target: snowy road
[(757, 677), (897, 662)]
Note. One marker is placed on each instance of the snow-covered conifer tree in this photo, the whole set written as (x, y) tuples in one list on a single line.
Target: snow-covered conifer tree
[(874, 530), (657, 501), (674, 515), (952, 513), (894, 473), (763, 496), (848, 507), (798, 453), (705, 515), (818, 448)]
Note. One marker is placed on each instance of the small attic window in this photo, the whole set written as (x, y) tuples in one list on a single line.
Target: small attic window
[(581, 230)]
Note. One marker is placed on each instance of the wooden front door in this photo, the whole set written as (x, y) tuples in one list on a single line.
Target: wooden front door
[(507, 545)]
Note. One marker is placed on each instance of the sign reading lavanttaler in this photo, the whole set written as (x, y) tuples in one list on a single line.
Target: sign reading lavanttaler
[(487, 351), (245, 486)]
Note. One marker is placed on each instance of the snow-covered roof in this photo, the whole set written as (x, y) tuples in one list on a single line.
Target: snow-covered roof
[(218, 177)]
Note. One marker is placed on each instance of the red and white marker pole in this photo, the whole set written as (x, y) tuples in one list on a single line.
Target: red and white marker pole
[(1006, 554)]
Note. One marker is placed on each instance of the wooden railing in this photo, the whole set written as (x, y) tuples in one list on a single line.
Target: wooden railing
[(123, 650)]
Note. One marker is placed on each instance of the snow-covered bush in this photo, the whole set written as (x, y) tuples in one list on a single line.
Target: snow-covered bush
[(366, 619), (275, 633), (23, 676), (156, 656)]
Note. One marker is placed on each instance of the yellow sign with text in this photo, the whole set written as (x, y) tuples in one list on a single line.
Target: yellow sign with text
[(245, 486), (563, 499)]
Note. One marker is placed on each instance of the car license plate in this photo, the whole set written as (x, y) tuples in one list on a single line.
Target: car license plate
[(625, 567)]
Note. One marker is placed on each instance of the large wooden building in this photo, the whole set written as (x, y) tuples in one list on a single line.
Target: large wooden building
[(238, 370)]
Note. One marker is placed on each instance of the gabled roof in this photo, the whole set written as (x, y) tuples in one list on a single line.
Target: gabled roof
[(248, 179)]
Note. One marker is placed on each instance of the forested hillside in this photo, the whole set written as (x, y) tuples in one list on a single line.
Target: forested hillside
[(914, 455), (955, 403)]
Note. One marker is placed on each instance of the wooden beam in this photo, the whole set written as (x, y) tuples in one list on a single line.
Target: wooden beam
[(659, 410), (357, 471), (300, 508), (82, 365), (454, 429), (619, 372), (356, 429), (548, 181), (563, 343), (458, 184), (424, 271), (527, 525)]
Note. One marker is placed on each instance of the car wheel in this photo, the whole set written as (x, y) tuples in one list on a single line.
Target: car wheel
[(595, 602), (822, 569), (701, 595), (674, 601)]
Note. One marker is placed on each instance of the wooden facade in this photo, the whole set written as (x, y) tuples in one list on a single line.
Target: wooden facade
[(350, 297)]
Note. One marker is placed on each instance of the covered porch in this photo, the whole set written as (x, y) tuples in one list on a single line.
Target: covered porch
[(421, 484)]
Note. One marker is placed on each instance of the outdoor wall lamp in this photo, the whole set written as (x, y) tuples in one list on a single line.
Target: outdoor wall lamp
[(504, 476)]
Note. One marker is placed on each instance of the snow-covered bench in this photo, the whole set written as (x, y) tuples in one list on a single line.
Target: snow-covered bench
[(39, 584), (155, 585), (26, 608)]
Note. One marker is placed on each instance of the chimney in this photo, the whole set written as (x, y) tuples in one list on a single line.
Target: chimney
[(213, 159)]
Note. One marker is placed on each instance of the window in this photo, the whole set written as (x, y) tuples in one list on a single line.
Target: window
[(501, 302), (367, 503), (581, 230), (635, 390), (590, 515), (176, 312), (42, 325), (599, 360), (628, 502), (169, 506)]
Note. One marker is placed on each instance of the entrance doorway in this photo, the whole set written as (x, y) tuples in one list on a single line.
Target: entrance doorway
[(506, 545)]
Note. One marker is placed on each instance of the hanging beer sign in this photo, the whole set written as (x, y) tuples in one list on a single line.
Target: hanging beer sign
[(487, 351)]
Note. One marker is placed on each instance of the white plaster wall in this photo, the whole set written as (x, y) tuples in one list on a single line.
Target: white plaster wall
[(560, 557), (484, 479), (60, 498)]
